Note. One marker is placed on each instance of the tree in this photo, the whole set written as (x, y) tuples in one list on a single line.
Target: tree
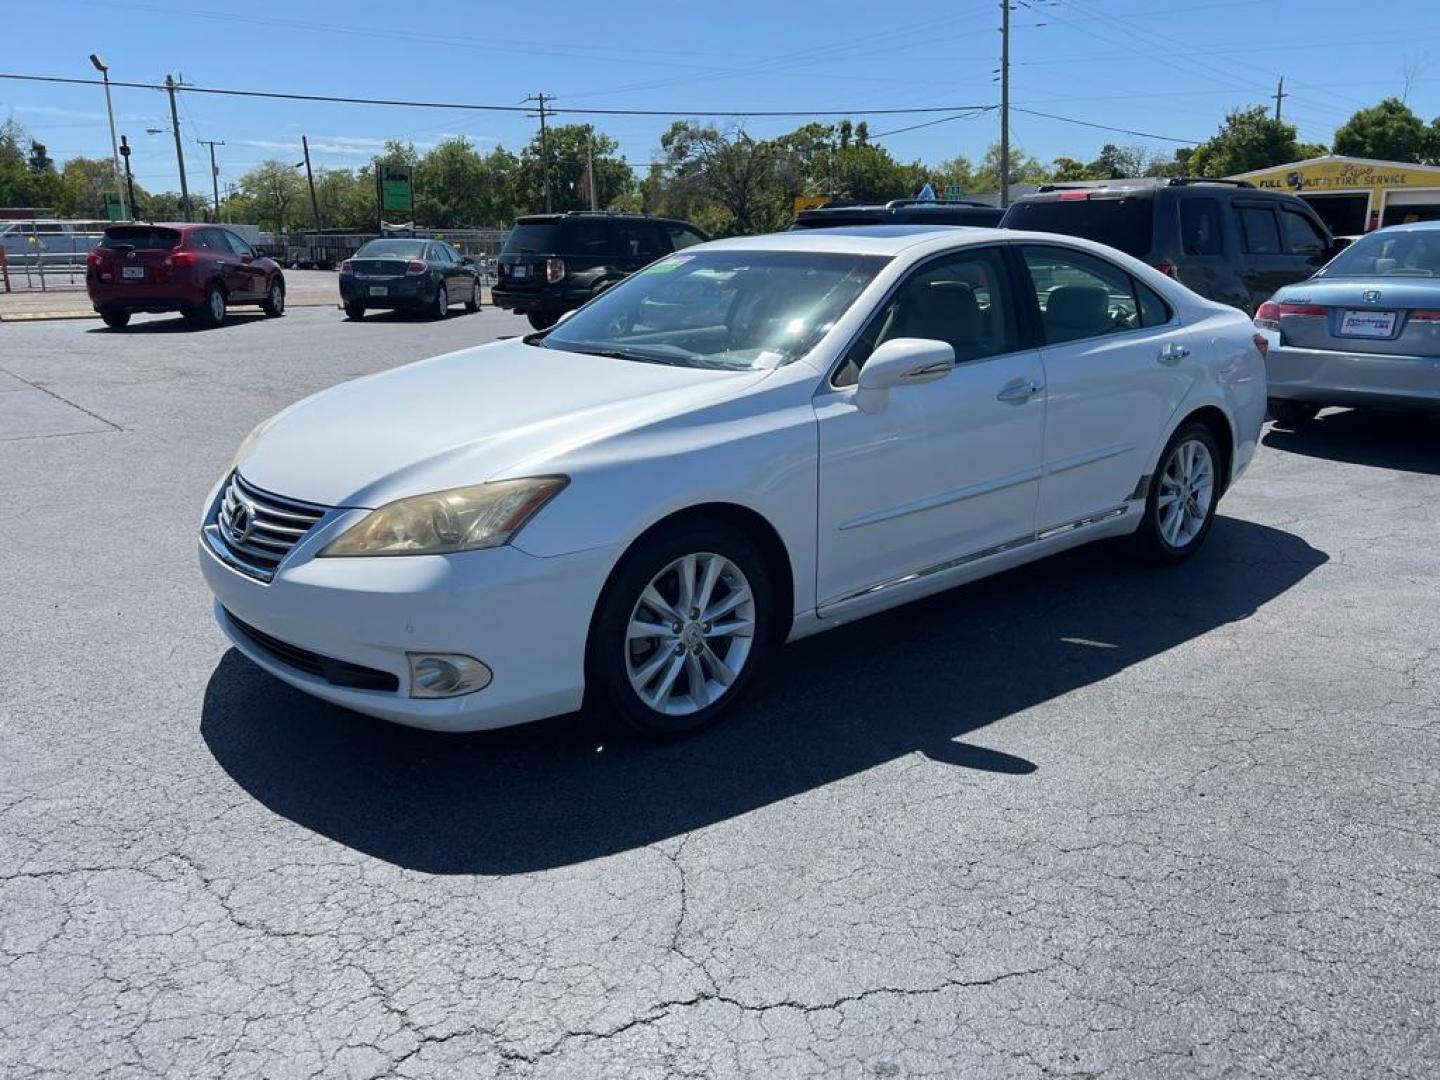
[(1249, 139), (84, 182), (570, 149), (956, 172), (39, 160), (1389, 131), (1068, 169), (727, 173), (1024, 169), (455, 187), (273, 193), (1118, 162)]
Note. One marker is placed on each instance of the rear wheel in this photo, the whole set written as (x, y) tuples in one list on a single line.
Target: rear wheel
[(1292, 414), (354, 311), (441, 307), (1180, 507), (115, 318), (681, 629), (212, 312), (274, 304), (541, 320)]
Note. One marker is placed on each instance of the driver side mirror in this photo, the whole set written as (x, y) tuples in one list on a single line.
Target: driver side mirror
[(901, 362)]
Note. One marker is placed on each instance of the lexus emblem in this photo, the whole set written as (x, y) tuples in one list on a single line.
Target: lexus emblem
[(1372, 296), (241, 522)]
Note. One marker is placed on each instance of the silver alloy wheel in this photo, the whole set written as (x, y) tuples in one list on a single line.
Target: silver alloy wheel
[(277, 298), (217, 305), (690, 634), (1187, 487), (442, 302)]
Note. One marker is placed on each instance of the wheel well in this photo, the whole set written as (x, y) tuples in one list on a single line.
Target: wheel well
[(760, 532), (1219, 426)]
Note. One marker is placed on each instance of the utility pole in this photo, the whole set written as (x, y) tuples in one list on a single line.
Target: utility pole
[(214, 172), (1280, 95), (1004, 103), (129, 178), (544, 148), (314, 202), (590, 168), (179, 150)]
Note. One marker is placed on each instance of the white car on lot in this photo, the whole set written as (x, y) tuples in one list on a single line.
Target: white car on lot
[(750, 441)]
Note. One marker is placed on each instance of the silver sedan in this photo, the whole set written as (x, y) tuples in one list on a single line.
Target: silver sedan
[(1363, 332)]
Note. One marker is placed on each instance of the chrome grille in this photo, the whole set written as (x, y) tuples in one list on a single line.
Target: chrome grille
[(259, 528)]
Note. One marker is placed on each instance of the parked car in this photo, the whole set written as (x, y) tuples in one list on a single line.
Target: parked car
[(57, 242), (554, 263), (198, 270), (639, 511), (1225, 239), (415, 275), (1363, 332), (902, 212)]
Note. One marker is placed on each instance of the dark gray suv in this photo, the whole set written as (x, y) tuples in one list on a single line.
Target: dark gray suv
[(1225, 239)]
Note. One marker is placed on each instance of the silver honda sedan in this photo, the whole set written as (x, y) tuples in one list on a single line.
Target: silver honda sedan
[(1363, 332)]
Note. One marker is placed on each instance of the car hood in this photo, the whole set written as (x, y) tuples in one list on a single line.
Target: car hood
[(465, 418)]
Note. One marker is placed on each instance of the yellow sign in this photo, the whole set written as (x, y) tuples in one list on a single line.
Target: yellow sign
[(811, 202), (1342, 174)]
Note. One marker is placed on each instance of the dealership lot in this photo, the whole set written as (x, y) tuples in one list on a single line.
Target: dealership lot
[(1082, 818)]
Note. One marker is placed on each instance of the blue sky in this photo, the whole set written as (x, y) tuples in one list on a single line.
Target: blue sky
[(1167, 67)]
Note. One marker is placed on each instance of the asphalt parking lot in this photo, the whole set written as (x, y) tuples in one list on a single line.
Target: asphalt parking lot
[(1082, 819)]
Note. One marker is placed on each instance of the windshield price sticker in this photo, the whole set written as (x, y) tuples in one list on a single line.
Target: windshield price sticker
[(664, 266)]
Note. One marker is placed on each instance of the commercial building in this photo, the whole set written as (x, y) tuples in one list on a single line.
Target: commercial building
[(1355, 195)]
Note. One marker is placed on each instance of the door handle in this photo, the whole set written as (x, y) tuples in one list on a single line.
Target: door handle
[(1018, 393), (1173, 353)]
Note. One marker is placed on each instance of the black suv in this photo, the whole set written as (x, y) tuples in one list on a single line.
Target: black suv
[(1226, 239), (553, 263), (902, 212)]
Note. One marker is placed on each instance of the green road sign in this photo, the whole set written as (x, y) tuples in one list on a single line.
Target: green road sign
[(396, 192), (114, 208), (953, 191)]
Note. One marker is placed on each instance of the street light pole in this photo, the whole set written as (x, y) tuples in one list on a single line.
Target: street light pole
[(104, 69)]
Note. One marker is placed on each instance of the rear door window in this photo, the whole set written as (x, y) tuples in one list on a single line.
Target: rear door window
[(1302, 237), (1082, 296), (1125, 222), (1260, 230), (240, 247), (682, 236), (1200, 229)]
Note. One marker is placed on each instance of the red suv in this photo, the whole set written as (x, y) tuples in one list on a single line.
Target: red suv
[(197, 270)]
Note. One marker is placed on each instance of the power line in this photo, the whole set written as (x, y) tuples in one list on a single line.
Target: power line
[(970, 115), (1106, 127), (473, 107)]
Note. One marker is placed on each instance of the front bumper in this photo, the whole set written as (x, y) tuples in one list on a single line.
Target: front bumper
[(525, 617), (1363, 380)]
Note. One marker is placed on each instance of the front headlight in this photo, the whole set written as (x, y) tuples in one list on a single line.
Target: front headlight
[(461, 519)]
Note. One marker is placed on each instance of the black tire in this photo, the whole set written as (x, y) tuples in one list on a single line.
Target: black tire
[(610, 651), (115, 318), (274, 302), (355, 311), (441, 307), (542, 320), (211, 313), (473, 304), (1292, 414), (1149, 541)]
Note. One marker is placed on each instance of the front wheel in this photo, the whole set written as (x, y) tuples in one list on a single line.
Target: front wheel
[(473, 304), (684, 624), (1291, 414), (541, 320), (115, 318), (274, 303), (1180, 506)]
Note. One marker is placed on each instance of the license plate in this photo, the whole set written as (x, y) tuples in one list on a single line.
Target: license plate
[(519, 271), (132, 272), (379, 290), (1380, 324)]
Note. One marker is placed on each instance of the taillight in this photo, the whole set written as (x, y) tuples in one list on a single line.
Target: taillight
[(181, 259), (1268, 316), (1168, 269), (345, 267), (1262, 343), (554, 270), (1074, 196), (92, 260), (415, 266), (1425, 315), (1308, 311)]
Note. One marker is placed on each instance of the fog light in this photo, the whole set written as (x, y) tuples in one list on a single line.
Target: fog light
[(442, 675)]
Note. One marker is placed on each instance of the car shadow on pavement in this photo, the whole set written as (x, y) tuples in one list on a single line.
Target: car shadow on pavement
[(919, 679), (1406, 441), (178, 325)]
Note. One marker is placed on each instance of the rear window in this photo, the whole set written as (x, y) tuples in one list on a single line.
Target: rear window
[(141, 238), (829, 219), (1127, 224), (392, 249), (532, 238)]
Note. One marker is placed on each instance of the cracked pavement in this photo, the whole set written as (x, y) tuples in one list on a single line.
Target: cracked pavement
[(1080, 820)]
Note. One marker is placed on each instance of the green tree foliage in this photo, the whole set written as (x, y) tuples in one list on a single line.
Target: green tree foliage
[(1068, 169), (83, 184), (39, 160), (1118, 162), (272, 195), (571, 148), (1389, 131), (1249, 139)]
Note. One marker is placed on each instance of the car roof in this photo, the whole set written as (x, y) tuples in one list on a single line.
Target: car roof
[(1413, 226), (857, 239)]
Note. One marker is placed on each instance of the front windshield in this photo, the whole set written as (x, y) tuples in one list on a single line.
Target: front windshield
[(720, 309), (392, 249), (1403, 253)]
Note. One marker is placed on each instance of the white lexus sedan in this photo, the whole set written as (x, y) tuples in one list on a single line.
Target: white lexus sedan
[(745, 443)]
